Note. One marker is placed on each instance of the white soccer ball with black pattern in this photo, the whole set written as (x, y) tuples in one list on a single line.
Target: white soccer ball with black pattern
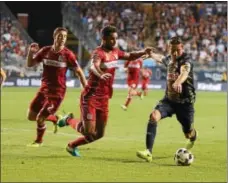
[(183, 157)]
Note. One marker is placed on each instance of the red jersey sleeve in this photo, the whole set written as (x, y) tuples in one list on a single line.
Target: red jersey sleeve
[(122, 54), (96, 56), (72, 61), (39, 55)]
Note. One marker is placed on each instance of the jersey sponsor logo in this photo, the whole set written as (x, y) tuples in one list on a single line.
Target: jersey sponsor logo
[(172, 76), (131, 65), (109, 65), (54, 63)]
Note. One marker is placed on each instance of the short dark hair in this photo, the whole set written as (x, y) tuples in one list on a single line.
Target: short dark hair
[(108, 30), (58, 29), (175, 40)]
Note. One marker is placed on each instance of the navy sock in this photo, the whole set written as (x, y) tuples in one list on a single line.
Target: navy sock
[(150, 135)]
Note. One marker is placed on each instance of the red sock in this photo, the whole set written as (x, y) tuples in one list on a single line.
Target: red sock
[(79, 141), (145, 92), (52, 118), (73, 123), (41, 128), (139, 93), (128, 101)]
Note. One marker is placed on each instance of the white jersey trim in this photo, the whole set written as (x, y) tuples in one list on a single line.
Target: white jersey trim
[(54, 63), (109, 65), (137, 66)]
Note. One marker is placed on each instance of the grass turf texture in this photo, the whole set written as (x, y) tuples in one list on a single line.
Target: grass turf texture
[(112, 158)]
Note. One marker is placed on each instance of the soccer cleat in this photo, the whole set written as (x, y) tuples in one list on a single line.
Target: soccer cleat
[(35, 144), (124, 107), (55, 127), (190, 143), (63, 121), (73, 151), (146, 155)]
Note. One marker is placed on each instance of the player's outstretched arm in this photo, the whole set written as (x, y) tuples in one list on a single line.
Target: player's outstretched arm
[(137, 54), (78, 71), (33, 48), (157, 57), (3, 77)]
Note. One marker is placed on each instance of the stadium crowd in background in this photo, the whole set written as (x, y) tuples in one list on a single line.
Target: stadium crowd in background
[(203, 27), (12, 45), (13, 48), (128, 17)]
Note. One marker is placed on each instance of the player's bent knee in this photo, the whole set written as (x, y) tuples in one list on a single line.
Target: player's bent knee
[(155, 116), (31, 116), (89, 132), (40, 119)]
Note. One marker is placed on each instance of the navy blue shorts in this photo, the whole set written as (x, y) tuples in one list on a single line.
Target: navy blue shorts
[(184, 112)]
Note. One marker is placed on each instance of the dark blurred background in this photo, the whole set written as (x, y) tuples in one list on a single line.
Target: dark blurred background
[(43, 18)]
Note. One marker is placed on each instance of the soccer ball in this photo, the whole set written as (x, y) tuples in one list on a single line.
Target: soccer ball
[(183, 157)]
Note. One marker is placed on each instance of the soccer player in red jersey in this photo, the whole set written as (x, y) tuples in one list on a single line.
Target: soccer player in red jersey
[(95, 96), (146, 75), (3, 77), (56, 59), (133, 73)]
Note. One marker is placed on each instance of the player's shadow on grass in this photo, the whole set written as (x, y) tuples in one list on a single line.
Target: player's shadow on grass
[(141, 161), (124, 160)]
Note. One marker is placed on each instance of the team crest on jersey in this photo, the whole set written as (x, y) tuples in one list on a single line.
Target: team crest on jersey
[(61, 58)]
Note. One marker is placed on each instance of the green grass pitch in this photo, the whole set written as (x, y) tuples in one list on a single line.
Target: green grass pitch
[(113, 158)]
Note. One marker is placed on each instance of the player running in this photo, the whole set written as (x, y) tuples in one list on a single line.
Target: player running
[(146, 75), (179, 97), (133, 73), (56, 59), (95, 96)]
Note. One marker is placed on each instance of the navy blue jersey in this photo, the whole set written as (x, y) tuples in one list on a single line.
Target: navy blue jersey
[(173, 71)]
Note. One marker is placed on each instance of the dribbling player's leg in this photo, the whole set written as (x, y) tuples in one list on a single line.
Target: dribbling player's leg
[(155, 116), (162, 110), (185, 115)]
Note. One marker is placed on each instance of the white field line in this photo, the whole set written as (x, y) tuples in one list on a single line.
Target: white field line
[(5, 131), (18, 131)]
